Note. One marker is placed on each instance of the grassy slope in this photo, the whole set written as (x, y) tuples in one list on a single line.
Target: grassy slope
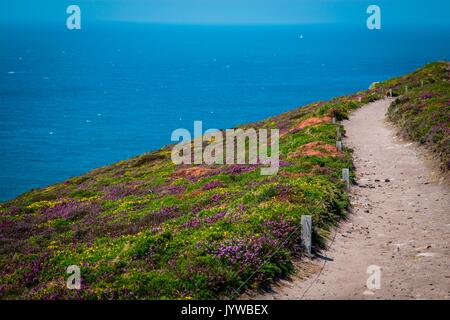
[(145, 228), (423, 113)]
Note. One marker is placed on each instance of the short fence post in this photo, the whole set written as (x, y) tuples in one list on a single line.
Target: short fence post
[(339, 145), (406, 89), (333, 120), (346, 177), (421, 83), (306, 235), (338, 133), (390, 93)]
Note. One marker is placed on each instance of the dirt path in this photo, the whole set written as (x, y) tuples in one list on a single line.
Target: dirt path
[(400, 222)]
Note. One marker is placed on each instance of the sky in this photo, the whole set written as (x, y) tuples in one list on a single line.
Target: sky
[(406, 13)]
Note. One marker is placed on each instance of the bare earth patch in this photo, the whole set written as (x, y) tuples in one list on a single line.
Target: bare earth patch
[(400, 222), (192, 172), (310, 122), (316, 148)]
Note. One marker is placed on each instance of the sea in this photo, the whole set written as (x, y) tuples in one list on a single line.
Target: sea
[(75, 100)]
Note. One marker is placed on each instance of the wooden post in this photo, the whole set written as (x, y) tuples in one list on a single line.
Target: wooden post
[(333, 120), (421, 83), (406, 89), (338, 133), (306, 235), (346, 177), (390, 93), (339, 145)]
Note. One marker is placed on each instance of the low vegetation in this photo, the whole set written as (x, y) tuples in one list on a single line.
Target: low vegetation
[(145, 228)]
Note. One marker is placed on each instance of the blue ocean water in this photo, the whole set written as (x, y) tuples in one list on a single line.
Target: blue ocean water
[(72, 101)]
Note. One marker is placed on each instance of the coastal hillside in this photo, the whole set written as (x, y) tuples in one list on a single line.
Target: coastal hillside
[(145, 228)]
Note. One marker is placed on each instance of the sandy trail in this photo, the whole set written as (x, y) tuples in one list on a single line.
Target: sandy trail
[(400, 221)]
